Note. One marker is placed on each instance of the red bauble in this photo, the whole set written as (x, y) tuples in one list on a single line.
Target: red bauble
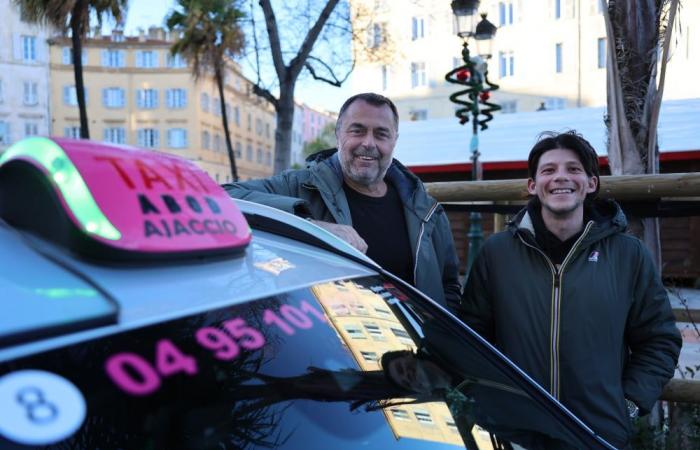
[(463, 120), (463, 75), (484, 96)]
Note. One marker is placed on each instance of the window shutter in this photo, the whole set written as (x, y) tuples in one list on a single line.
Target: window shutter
[(121, 97), (156, 138), (66, 56), (155, 59), (170, 138), (184, 138), (105, 135), (140, 138), (155, 98), (183, 97), (169, 97), (120, 58), (139, 59), (105, 98), (139, 98), (40, 49), (105, 58), (66, 95)]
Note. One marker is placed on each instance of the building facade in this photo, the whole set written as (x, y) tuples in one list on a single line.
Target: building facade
[(138, 94), (24, 77), (546, 52)]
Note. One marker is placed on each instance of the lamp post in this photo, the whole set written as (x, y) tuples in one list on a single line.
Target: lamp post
[(474, 99)]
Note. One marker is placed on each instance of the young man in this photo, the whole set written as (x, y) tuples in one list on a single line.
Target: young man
[(573, 300), (361, 194)]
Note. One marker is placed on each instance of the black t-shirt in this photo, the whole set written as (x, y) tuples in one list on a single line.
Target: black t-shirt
[(381, 223)]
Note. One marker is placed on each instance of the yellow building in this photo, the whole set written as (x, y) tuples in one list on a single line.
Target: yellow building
[(369, 329), (550, 52), (138, 94)]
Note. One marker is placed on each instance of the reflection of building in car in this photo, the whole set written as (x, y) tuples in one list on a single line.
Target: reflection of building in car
[(369, 329)]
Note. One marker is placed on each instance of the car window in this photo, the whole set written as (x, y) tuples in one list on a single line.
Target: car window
[(341, 365)]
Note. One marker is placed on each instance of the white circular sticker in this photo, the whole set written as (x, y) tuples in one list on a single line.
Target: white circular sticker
[(39, 408)]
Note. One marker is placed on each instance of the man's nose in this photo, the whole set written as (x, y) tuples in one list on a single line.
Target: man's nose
[(368, 141)]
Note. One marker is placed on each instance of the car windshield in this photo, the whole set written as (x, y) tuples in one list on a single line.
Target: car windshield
[(338, 365)]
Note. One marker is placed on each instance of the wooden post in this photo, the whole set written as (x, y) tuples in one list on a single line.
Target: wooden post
[(621, 187)]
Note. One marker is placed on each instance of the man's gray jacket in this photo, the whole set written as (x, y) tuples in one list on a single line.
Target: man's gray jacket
[(593, 331), (317, 192)]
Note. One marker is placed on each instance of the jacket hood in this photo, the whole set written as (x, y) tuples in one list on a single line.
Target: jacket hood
[(606, 214)]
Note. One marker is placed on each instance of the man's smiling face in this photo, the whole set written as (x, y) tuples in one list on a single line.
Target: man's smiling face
[(366, 139), (561, 183)]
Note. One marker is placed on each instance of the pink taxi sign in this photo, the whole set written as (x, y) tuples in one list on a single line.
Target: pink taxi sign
[(135, 200)]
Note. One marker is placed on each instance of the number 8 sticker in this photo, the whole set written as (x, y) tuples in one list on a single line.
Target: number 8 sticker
[(39, 408)]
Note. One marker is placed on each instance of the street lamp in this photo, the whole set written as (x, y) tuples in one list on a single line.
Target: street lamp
[(473, 101)]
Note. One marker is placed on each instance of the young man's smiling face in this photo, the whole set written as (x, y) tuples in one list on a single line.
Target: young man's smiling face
[(561, 183), (366, 139)]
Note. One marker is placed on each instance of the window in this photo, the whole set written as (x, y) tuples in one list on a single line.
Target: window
[(399, 333), (216, 107), (204, 101), (176, 61), (31, 129), (375, 36), (382, 312), (148, 138), (1, 94), (71, 132), (217, 143), (205, 140), (259, 156), (67, 56), (176, 98), (417, 28), (146, 59), (418, 114), (258, 127), (112, 58), (555, 103), (558, 63), (451, 425), (249, 152), (30, 93), (418, 74), (510, 106), (4, 133), (239, 150), (400, 414), (113, 97), (177, 138), (369, 356), (28, 48), (267, 129), (250, 122), (501, 14), (373, 330), (147, 98), (354, 331), (115, 135), (237, 116), (268, 158), (511, 64), (511, 15), (423, 417), (602, 52), (385, 77), (557, 9)]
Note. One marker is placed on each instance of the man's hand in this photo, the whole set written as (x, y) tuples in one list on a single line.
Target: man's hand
[(344, 232)]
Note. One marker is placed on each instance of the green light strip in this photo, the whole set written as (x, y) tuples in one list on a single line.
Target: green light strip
[(66, 177)]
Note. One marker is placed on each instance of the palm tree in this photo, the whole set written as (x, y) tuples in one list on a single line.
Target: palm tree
[(209, 36), (74, 15)]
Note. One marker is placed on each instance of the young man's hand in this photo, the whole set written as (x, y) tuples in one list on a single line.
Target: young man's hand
[(344, 232)]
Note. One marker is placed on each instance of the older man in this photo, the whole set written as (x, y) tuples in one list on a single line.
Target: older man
[(361, 194)]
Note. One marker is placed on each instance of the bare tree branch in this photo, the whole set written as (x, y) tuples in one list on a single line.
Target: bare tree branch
[(266, 94), (274, 37), (335, 82), (296, 64)]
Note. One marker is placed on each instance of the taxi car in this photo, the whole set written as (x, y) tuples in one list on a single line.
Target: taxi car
[(144, 308)]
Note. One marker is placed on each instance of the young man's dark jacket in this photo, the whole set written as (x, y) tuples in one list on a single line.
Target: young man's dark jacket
[(317, 191), (593, 332)]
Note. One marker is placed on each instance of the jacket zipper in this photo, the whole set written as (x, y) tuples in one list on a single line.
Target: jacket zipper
[(420, 238), (557, 275)]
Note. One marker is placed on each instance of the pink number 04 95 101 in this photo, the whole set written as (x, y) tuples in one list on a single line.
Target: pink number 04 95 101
[(135, 375)]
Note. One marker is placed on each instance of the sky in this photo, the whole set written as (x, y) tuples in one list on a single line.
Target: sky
[(145, 13)]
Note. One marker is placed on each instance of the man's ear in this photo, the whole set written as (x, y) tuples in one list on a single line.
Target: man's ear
[(531, 186), (592, 184)]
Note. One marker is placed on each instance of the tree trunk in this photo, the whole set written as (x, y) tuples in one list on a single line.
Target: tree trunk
[(283, 133), (218, 74), (77, 31)]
